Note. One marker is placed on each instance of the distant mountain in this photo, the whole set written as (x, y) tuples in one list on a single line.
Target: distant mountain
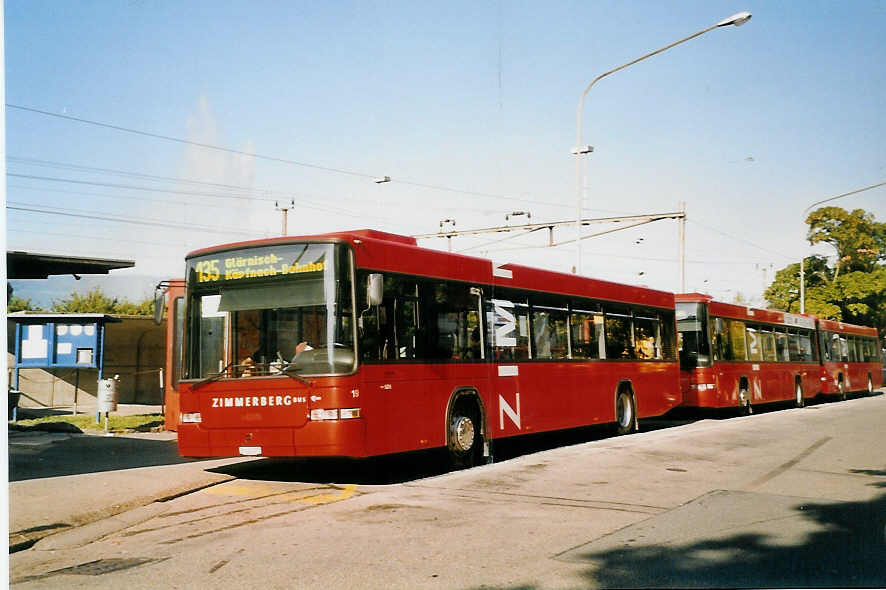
[(43, 292)]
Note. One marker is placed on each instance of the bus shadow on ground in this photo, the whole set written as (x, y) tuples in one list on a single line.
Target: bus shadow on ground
[(833, 545), (407, 467)]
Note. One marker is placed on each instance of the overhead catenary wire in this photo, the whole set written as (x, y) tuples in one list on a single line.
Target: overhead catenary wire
[(641, 258), (307, 205), (208, 146), (249, 194), (281, 160), (330, 169), (151, 222), (743, 240), (41, 232)]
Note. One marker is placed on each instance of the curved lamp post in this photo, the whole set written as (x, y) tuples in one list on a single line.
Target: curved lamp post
[(736, 19)]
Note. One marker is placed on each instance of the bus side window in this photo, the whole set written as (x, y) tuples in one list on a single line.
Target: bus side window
[(794, 345), (870, 350), (834, 346), (586, 330), (390, 331), (719, 337), (668, 331), (619, 333), (768, 344), (453, 322), (508, 329), (549, 333), (755, 344), (806, 352), (781, 344), (737, 341), (647, 337)]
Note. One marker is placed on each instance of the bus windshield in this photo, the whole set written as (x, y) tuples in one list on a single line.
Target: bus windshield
[(692, 334), (271, 310)]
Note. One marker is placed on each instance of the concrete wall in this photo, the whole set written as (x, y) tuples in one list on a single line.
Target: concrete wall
[(135, 349)]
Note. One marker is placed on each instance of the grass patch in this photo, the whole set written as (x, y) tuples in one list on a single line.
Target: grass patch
[(87, 423)]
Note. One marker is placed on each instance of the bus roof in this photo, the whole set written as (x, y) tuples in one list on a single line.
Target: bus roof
[(387, 252), (743, 312), (834, 326)]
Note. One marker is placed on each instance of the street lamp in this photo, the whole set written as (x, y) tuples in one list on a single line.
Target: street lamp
[(803, 258), (737, 19)]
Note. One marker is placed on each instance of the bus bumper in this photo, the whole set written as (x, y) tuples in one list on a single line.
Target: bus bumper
[(344, 438)]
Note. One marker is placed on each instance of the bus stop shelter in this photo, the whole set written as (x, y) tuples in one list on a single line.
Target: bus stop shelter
[(73, 347)]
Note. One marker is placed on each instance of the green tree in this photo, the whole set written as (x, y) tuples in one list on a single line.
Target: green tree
[(96, 301), (18, 304), (784, 292), (859, 240), (144, 307), (853, 289)]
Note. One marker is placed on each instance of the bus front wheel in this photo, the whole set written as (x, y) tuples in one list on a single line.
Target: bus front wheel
[(465, 435)]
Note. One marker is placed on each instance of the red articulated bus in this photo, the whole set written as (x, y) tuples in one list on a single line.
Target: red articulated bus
[(850, 358), (735, 356), (361, 343)]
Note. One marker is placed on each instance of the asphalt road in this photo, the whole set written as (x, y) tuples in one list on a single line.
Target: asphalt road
[(788, 498)]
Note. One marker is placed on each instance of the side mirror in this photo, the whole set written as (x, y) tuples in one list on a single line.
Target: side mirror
[(159, 304), (375, 289)]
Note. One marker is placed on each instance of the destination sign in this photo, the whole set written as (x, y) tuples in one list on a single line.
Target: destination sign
[(258, 263)]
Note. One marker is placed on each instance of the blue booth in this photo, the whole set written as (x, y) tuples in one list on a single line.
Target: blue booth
[(57, 341)]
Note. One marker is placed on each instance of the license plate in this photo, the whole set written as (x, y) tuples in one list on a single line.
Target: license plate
[(250, 451)]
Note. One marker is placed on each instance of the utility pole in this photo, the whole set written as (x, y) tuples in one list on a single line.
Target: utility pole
[(682, 246), (285, 211), (450, 221)]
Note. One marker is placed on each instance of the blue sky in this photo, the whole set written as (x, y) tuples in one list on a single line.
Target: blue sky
[(747, 125)]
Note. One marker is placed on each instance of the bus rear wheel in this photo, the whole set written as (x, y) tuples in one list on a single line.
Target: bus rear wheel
[(870, 385), (465, 436), (841, 387), (625, 413), (799, 401)]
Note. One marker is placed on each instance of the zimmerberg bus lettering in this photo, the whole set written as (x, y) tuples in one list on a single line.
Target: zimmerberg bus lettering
[(256, 401)]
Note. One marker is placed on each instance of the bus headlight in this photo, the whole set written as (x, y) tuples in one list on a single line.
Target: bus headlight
[(335, 414), (192, 418), (318, 415)]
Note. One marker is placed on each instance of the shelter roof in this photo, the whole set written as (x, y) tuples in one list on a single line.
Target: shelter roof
[(30, 265)]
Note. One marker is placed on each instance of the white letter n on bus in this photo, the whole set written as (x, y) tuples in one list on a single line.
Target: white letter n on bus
[(505, 408)]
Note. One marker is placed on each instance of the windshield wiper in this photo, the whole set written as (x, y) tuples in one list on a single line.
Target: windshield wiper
[(290, 371), (213, 377)]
